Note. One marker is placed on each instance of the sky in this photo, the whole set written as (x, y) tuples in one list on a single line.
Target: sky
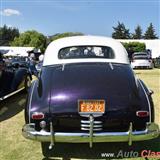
[(91, 17)]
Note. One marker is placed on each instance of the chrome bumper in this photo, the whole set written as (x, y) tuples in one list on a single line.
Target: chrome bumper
[(151, 131)]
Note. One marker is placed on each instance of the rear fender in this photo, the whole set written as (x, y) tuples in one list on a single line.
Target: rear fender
[(38, 98), (146, 99)]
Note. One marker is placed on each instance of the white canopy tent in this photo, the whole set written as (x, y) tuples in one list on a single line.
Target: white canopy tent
[(17, 51)]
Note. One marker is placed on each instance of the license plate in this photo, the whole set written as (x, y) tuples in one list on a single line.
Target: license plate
[(91, 106)]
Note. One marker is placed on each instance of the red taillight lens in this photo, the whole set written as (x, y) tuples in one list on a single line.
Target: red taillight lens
[(142, 113), (37, 115)]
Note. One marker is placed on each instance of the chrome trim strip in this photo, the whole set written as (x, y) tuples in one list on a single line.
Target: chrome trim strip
[(96, 126), (52, 136), (91, 119), (149, 105), (87, 125), (130, 134), (11, 94), (84, 129), (63, 66), (111, 66), (94, 129), (30, 101), (95, 122)]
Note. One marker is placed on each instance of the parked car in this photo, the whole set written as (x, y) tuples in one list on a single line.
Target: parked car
[(39, 66), (40, 63), (25, 62), (156, 62), (14, 77), (87, 93), (141, 60)]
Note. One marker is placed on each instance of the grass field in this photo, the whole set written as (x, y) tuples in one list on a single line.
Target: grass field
[(14, 147)]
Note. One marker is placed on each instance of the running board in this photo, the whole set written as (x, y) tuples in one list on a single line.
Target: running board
[(11, 94)]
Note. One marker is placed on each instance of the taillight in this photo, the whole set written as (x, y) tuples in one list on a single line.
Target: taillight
[(37, 115), (142, 113)]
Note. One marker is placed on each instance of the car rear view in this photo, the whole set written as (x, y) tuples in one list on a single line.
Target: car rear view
[(87, 93), (141, 60)]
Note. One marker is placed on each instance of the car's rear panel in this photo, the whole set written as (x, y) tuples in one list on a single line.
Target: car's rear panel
[(114, 83), (141, 61)]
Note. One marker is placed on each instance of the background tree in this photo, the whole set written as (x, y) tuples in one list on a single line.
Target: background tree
[(120, 32), (7, 34), (132, 47), (150, 33), (135, 46), (138, 33), (30, 39)]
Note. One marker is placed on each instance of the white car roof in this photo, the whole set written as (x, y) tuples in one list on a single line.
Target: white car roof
[(51, 53)]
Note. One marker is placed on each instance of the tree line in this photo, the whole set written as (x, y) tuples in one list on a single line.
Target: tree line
[(121, 32), (10, 36)]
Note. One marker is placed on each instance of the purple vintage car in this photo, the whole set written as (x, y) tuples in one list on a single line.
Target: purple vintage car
[(87, 93)]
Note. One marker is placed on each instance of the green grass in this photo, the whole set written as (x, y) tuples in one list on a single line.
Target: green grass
[(14, 147)]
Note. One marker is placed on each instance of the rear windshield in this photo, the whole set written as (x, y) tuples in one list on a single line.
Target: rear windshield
[(139, 53), (76, 52), (140, 57)]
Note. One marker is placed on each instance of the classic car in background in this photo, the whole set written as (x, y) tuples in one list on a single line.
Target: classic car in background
[(14, 77), (38, 66), (87, 93), (141, 60), (156, 62)]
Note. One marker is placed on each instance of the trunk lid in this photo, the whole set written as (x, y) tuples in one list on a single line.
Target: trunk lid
[(113, 83)]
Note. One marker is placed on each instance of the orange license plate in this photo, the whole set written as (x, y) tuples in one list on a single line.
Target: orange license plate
[(91, 106)]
